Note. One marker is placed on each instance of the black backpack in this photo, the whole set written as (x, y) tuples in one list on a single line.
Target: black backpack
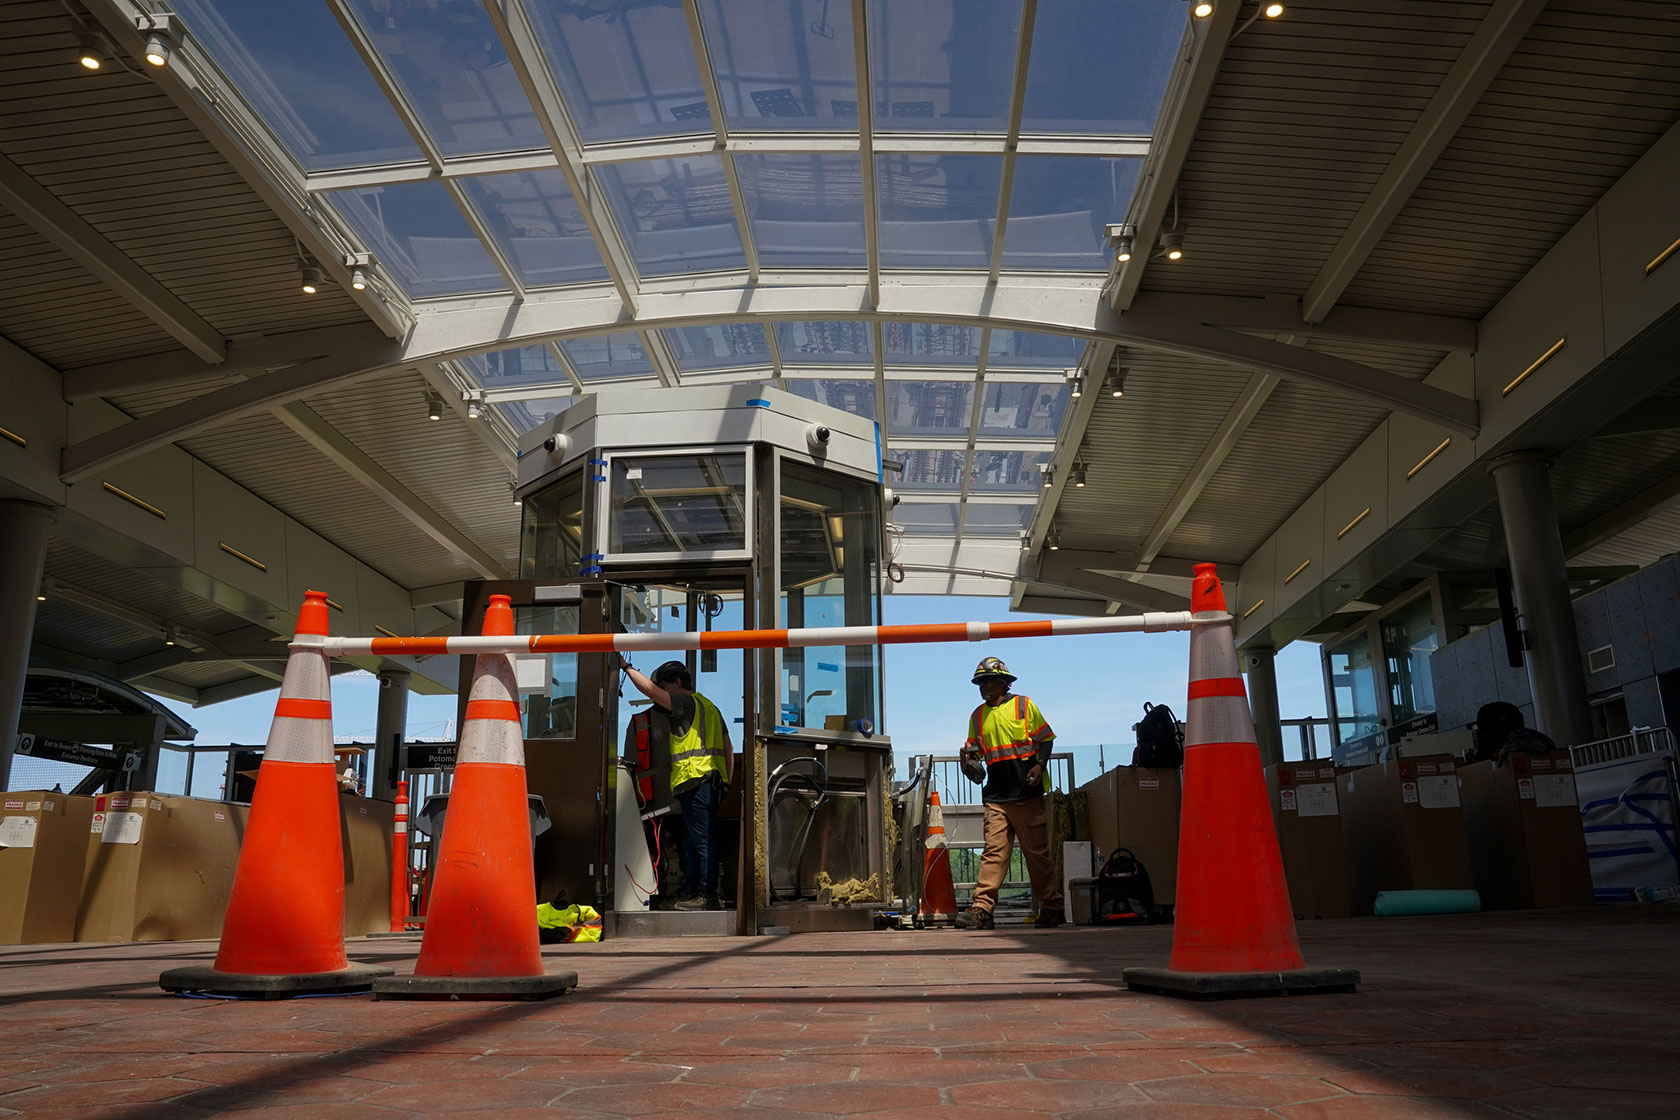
[(1160, 738), (1124, 893)]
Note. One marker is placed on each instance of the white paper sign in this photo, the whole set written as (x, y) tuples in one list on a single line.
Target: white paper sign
[(17, 832), (1525, 789), (1286, 800), (32, 807), (122, 828), (1318, 799), (1408, 792), (1552, 790), (1439, 792), (98, 823)]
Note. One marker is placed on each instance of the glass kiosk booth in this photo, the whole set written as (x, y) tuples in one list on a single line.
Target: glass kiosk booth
[(716, 508)]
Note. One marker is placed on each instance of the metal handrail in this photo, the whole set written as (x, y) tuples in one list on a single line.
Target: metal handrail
[(1641, 740)]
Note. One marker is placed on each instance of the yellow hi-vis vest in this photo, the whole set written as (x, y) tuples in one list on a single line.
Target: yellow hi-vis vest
[(1011, 731), (699, 750)]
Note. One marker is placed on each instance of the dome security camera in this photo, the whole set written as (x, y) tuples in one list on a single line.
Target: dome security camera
[(817, 437), (556, 445)]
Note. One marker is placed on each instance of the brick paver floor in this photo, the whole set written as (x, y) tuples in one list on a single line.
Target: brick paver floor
[(1566, 1014)]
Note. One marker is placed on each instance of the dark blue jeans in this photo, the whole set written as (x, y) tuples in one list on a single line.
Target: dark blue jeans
[(699, 804)]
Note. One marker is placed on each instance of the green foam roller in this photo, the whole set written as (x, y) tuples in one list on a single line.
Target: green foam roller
[(1400, 904)]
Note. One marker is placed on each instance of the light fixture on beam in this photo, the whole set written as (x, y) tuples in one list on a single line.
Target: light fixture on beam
[(1053, 539), (434, 407), (361, 270), (1026, 540), (1076, 383), (474, 409), (1115, 384), (169, 636), (1121, 237), (1202, 9), (1272, 11), (1172, 244), (92, 49), (1078, 475), (310, 278), (1048, 474), (513, 485), (159, 31)]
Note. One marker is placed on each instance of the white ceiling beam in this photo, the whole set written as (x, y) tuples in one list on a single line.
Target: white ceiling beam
[(332, 443), (1094, 361), (1236, 422), (56, 222), (451, 382), (1055, 570), (1199, 56), (1282, 315), (434, 595), (1484, 55), (198, 89), (1012, 137), (455, 328), (246, 355), (677, 147), (513, 24), (720, 132), (866, 147), (213, 409), (1631, 513)]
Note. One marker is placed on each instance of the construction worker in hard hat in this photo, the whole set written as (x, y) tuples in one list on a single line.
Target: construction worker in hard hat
[(1008, 750), (701, 762)]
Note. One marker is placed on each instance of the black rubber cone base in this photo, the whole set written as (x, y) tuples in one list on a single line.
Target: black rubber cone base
[(203, 978), (1236, 985), (546, 986)]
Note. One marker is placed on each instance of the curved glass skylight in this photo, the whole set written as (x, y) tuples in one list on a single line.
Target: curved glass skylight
[(524, 160)]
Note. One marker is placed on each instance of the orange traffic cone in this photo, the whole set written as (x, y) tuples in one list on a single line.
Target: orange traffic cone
[(284, 929), (1234, 931), (481, 925), (939, 895)]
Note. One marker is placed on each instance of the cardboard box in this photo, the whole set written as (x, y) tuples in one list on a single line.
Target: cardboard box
[(1403, 825), (1527, 848), (368, 829), (1136, 807), (159, 868), (1081, 901), (1306, 810), (42, 837)]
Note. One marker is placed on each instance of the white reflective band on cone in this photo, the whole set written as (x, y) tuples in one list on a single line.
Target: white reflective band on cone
[(499, 741), (298, 738)]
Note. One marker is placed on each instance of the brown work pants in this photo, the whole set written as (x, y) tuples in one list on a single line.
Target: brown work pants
[(1026, 821)]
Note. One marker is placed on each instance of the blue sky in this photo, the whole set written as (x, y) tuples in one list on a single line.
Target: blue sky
[(1091, 688)]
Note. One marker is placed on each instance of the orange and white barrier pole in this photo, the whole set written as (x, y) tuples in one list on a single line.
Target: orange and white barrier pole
[(399, 862), (1151, 623)]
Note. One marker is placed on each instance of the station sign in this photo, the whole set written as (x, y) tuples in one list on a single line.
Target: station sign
[(119, 756)]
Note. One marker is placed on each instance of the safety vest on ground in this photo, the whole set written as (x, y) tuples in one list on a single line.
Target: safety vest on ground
[(698, 751), (583, 922)]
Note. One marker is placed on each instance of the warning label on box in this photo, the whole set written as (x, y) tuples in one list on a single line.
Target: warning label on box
[(1525, 788), (1149, 783), (17, 832), (122, 828), (1286, 800), (98, 823), (1440, 792), (1553, 790), (1408, 792), (1318, 799)]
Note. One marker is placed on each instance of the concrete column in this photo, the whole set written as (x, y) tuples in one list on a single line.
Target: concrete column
[(390, 726), (1534, 551), (23, 550), (1258, 662)]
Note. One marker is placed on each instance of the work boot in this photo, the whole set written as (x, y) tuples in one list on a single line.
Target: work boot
[(690, 902), (975, 918), (1049, 919)]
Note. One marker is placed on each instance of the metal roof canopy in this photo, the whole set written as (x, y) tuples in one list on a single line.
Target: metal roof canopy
[(682, 228)]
